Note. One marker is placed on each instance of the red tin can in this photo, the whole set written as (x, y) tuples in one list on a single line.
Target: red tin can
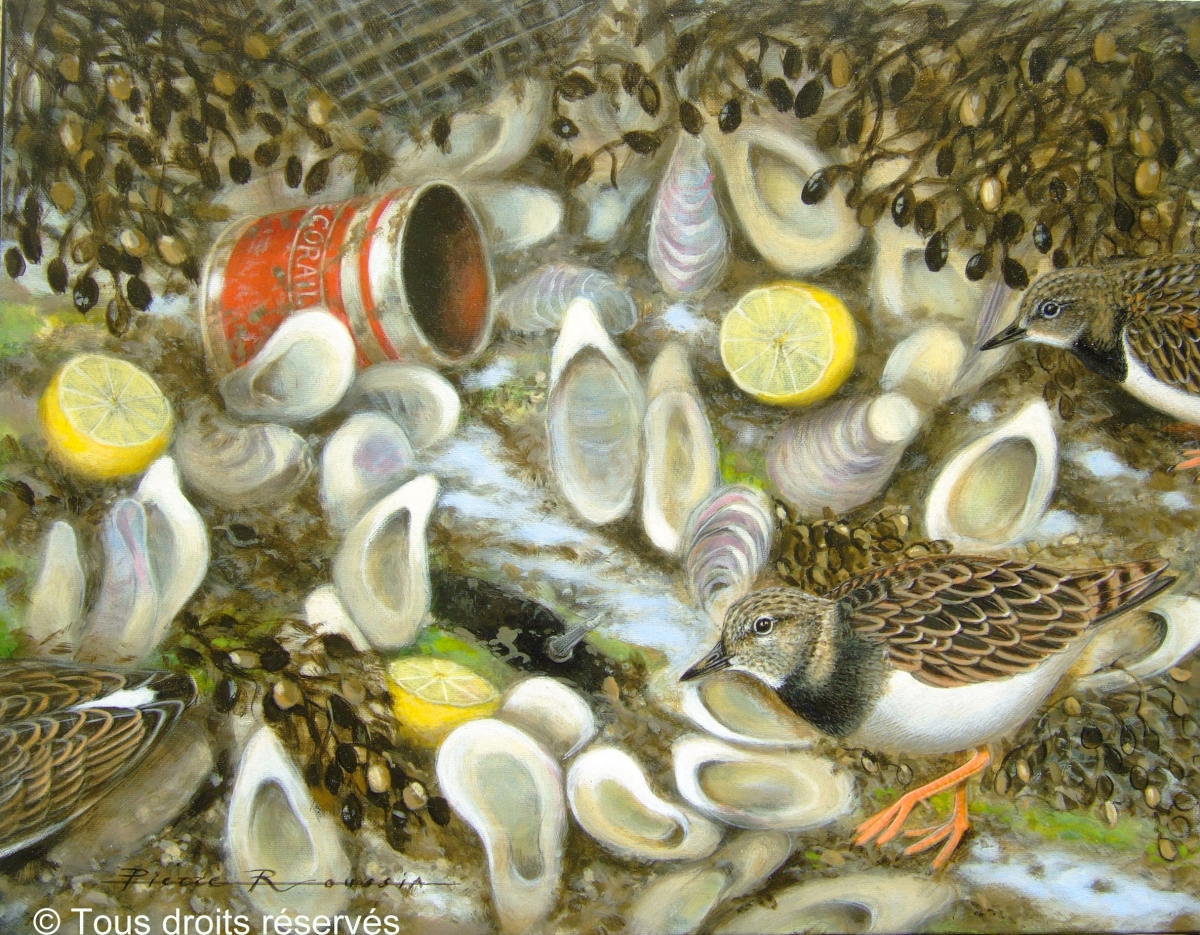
[(409, 274)]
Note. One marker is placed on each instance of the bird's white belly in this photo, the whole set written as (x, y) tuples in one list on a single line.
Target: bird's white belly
[(1142, 384), (912, 717)]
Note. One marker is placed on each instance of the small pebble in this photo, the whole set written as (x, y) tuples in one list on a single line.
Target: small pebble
[(1105, 47), (414, 796), (832, 858), (287, 695), (1023, 772), (354, 691), (379, 779), (1072, 707), (1153, 796), (1166, 849), (1179, 705), (244, 658), (1110, 814), (1180, 675)]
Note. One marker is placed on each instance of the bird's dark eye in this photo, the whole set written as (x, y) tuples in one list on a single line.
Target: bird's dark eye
[(763, 625), (1050, 309)]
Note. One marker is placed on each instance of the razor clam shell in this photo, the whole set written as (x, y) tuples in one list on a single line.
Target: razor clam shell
[(178, 540), (381, 571), (55, 611), (975, 471), (240, 466), (689, 243), (509, 790), (367, 457), (761, 789), (727, 542), (301, 373), (843, 454), (421, 400), (681, 456), (274, 823), (538, 301), (594, 416), (121, 626), (608, 790)]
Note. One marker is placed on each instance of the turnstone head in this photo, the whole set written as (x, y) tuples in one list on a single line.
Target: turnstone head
[(68, 734), (1136, 323), (931, 656)]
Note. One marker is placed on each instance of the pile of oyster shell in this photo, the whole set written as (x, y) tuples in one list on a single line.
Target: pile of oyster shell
[(745, 781)]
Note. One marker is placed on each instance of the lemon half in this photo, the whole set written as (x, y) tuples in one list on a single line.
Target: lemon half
[(789, 344), (103, 417), (431, 696)]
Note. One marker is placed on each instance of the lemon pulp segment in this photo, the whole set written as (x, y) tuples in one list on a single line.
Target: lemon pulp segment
[(788, 344)]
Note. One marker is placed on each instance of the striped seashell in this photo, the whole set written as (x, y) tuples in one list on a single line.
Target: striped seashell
[(538, 301), (689, 242), (727, 542), (843, 454)]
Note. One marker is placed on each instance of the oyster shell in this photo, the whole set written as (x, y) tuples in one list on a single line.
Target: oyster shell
[(783, 791), (55, 612), (551, 713), (726, 543), (995, 490), (274, 823), (538, 301), (689, 244), (421, 400), (875, 901), (594, 418), (925, 366), (506, 787), (843, 454), (903, 286), (1180, 616), (680, 901), (367, 457), (121, 626), (612, 800), (517, 217), (738, 707), (381, 572), (765, 167), (240, 466), (681, 457), (177, 540), (301, 373), (325, 613)]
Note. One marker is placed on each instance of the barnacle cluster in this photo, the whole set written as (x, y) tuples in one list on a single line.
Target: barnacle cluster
[(125, 121), (329, 702), (820, 555), (1130, 753), (1006, 131)]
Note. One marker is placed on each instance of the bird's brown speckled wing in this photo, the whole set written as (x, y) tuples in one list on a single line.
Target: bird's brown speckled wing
[(57, 760), (953, 620), (1163, 301)]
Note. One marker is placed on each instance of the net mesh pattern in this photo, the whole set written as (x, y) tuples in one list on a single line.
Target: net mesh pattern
[(416, 57)]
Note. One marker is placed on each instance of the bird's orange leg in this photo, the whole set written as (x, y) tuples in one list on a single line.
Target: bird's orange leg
[(888, 823), (1191, 455)]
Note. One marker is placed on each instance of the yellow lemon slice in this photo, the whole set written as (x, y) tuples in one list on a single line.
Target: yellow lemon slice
[(103, 417), (789, 344), (431, 696)]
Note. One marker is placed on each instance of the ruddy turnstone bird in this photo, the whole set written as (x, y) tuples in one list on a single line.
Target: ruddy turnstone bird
[(1136, 323), (926, 657), (68, 734)]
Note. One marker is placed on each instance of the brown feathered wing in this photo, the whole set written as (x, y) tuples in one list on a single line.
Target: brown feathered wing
[(953, 620)]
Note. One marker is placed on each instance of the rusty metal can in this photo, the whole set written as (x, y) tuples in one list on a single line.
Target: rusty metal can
[(408, 273)]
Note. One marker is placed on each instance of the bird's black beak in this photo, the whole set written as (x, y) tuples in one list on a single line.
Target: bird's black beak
[(713, 662), (1009, 335)]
